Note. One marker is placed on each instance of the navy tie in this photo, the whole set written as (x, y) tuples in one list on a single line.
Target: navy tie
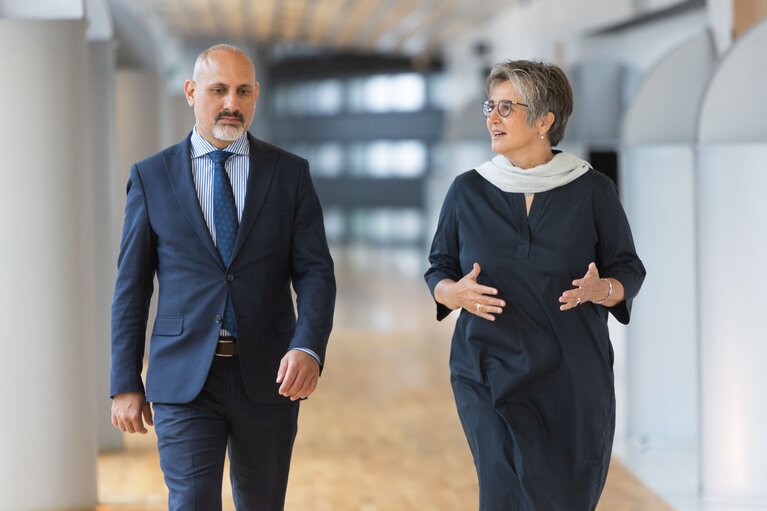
[(225, 219)]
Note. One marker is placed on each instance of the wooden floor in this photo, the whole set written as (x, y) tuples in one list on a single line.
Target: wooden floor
[(381, 433)]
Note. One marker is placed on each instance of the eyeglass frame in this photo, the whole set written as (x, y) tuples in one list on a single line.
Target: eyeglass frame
[(511, 103)]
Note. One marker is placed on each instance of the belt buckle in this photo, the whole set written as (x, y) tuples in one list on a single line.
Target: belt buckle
[(224, 341)]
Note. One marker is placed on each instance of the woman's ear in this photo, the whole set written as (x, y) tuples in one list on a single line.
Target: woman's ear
[(545, 122)]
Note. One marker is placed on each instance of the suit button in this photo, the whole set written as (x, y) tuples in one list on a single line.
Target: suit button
[(229, 277), (219, 319)]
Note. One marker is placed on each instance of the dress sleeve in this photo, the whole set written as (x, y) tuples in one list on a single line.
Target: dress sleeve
[(444, 255), (616, 255)]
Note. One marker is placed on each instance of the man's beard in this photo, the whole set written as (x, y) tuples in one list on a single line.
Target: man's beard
[(227, 132)]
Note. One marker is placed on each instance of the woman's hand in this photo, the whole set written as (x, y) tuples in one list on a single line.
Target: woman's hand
[(591, 288), (471, 296)]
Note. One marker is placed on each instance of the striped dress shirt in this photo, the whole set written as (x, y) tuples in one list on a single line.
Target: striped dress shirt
[(237, 167)]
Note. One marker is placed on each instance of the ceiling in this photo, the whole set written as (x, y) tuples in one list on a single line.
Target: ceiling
[(405, 27)]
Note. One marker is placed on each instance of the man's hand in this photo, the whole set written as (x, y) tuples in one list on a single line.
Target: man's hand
[(298, 374), (128, 410)]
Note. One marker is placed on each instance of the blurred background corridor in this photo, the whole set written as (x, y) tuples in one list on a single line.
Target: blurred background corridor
[(383, 97)]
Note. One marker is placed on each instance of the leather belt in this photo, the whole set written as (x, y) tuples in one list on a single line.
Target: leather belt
[(227, 348)]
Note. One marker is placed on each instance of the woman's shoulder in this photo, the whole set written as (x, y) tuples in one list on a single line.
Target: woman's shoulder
[(467, 177), (468, 181), (596, 182), (597, 179), (467, 185)]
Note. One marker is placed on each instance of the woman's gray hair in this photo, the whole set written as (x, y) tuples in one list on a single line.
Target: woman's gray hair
[(544, 88)]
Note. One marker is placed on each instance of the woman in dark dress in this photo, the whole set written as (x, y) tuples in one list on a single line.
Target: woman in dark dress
[(534, 246)]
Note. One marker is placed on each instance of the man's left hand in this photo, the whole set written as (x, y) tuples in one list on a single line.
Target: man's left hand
[(298, 374)]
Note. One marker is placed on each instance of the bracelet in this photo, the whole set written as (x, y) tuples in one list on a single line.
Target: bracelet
[(609, 292)]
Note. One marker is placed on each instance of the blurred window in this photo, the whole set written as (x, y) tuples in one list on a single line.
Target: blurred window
[(324, 97), (335, 224), (328, 159), (325, 159), (328, 97), (386, 225), (439, 97), (405, 92), (388, 159)]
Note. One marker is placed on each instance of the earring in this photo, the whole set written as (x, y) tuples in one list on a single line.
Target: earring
[(542, 137)]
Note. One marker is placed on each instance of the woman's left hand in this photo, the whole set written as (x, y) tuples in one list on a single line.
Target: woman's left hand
[(588, 289)]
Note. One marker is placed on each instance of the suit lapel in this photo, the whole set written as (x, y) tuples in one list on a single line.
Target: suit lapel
[(262, 167), (178, 166)]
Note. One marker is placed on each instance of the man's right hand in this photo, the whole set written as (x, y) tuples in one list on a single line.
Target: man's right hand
[(128, 410)]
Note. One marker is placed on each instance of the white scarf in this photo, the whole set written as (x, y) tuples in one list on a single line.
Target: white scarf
[(562, 169)]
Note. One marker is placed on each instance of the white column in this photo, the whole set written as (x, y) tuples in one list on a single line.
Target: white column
[(658, 185), (720, 19), (47, 431), (732, 241), (101, 165), (104, 211), (178, 118), (138, 115)]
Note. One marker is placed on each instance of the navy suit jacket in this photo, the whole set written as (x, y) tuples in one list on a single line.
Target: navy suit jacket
[(281, 240)]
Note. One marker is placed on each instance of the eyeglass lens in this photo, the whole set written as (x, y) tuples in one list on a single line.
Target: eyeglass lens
[(504, 107)]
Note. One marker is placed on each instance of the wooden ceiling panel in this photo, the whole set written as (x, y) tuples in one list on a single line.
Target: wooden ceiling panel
[(395, 26), (202, 17), (229, 18), (387, 24), (356, 19), (293, 16), (263, 19), (324, 14)]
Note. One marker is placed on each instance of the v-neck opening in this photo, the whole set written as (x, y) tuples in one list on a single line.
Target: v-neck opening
[(533, 217)]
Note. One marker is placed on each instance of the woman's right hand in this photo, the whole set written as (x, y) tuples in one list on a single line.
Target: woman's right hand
[(473, 297)]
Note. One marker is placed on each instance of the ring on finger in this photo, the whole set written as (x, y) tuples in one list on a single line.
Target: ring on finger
[(479, 306), (578, 302)]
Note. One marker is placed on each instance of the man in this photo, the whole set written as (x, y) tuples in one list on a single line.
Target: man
[(226, 222)]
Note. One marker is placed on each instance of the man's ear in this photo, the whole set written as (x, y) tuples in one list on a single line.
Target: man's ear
[(189, 89)]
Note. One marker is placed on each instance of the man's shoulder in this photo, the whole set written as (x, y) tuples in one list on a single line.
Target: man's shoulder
[(283, 155)]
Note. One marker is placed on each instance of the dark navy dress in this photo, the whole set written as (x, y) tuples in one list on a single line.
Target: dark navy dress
[(534, 389)]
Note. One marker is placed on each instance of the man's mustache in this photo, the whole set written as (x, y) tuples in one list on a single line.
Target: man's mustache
[(227, 113)]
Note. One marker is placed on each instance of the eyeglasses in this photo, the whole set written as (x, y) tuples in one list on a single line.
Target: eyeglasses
[(504, 107)]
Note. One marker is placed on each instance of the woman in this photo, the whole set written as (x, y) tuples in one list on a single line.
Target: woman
[(534, 246)]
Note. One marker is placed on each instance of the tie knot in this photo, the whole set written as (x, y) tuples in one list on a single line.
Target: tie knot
[(219, 157)]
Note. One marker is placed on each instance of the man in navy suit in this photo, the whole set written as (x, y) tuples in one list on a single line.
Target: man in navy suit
[(226, 223)]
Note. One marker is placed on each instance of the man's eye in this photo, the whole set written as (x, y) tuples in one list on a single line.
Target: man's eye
[(244, 92), (217, 91)]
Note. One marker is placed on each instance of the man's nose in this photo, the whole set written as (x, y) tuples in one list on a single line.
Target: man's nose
[(231, 101)]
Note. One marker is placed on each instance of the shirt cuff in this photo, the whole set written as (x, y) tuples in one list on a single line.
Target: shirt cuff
[(310, 352)]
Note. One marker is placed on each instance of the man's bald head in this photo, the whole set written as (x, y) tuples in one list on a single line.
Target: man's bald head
[(202, 58)]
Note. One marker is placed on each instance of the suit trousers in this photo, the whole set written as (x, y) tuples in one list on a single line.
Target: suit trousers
[(192, 439)]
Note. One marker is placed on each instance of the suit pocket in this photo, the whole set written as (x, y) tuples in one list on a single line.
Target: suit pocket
[(168, 325), (285, 322)]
